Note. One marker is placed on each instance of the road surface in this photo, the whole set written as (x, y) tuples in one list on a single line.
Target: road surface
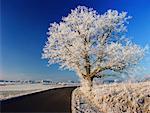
[(52, 101)]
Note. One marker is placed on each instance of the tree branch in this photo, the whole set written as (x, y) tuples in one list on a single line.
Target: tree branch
[(102, 43)]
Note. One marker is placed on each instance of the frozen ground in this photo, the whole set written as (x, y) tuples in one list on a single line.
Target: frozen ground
[(113, 98), (13, 90)]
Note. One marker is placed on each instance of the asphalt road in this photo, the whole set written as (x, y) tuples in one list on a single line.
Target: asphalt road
[(52, 101)]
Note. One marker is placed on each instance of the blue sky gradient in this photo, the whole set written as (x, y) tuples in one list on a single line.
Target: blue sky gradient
[(24, 24)]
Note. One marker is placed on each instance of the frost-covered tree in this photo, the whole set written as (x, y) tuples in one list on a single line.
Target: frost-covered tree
[(89, 43)]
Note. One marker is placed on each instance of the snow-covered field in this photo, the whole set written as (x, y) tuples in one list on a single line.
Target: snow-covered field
[(14, 90), (113, 98)]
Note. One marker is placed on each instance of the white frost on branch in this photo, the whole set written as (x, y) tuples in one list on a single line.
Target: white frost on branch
[(89, 43)]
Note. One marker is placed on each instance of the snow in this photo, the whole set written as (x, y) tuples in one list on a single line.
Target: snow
[(113, 98)]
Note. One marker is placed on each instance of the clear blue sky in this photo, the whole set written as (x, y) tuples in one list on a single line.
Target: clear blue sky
[(24, 24)]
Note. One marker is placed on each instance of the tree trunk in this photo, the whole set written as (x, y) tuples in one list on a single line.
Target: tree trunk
[(87, 83), (87, 80)]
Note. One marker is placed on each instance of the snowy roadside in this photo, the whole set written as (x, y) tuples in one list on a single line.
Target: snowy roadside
[(11, 91), (113, 98)]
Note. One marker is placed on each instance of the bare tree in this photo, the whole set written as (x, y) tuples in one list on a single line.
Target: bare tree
[(89, 43)]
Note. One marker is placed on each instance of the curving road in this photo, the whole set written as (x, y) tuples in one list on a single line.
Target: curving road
[(52, 101)]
